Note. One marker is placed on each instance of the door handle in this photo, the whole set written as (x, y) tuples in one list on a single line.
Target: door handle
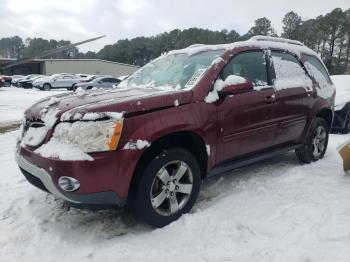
[(270, 99)]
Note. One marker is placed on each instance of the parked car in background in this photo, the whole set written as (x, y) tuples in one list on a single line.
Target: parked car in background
[(5, 80), (56, 81), (28, 82), (341, 122), (15, 79), (189, 114), (84, 80), (99, 82), (15, 82)]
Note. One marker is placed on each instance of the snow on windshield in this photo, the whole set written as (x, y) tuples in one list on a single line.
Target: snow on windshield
[(173, 71)]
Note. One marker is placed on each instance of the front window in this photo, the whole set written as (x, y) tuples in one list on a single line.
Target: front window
[(250, 65), (176, 71)]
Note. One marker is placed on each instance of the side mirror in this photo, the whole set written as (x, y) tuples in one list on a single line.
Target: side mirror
[(237, 89)]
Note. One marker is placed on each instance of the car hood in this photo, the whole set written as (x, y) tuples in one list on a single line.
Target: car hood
[(124, 101)]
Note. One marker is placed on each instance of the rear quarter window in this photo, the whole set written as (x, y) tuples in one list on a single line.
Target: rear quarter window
[(289, 72), (319, 73)]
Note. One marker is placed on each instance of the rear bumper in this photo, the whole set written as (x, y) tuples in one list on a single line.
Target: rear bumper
[(104, 182)]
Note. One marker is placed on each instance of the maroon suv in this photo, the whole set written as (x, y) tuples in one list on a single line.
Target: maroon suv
[(187, 115)]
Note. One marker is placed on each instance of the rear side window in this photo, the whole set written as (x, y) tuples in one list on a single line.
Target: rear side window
[(250, 65), (289, 72), (317, 70)]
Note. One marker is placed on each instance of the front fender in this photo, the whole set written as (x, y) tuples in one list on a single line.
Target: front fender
[(199, 118)]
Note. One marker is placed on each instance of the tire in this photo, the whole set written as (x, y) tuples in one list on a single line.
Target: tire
[(155, 189), (316, 142), (47, 87)]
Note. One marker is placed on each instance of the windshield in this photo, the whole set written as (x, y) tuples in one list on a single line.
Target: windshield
[(176, 71)]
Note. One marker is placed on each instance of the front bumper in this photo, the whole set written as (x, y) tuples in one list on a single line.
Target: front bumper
[(104, 182)]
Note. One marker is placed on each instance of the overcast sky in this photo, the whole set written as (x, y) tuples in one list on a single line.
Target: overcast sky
[(76, 20)]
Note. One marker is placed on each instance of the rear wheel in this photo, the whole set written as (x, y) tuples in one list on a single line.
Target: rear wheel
[(316, 142), (47, 87), (167, 187)]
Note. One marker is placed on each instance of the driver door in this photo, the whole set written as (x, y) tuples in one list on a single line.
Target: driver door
[(245, 125)]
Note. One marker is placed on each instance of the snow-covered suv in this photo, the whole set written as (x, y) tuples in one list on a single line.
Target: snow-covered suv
[(57, 81), (188, 114)]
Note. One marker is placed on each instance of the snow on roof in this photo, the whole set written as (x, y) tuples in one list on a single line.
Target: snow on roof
[(263, 42)]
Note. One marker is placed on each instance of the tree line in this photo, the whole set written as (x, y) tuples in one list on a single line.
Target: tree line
[(328, 35)]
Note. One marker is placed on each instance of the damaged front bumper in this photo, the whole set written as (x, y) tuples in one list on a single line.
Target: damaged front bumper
[(104, 183)]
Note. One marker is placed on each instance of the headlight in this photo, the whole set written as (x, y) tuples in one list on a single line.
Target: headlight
[(90, 136)]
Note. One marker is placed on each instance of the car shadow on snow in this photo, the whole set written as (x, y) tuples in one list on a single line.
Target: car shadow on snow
[(56, 215)]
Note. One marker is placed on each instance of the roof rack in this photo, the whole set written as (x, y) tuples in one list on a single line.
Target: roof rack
[(195, 45), (276, 39)]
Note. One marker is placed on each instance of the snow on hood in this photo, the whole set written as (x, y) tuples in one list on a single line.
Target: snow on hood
[(342, 85), (117, 101)]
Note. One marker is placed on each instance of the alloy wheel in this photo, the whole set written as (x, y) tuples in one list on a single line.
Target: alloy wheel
[(171, 188), (319, 141)]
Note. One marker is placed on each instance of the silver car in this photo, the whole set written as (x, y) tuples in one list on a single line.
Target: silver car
[(56, 81), (99, 82)]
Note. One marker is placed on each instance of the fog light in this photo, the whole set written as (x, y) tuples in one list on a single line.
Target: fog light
[(68, 183)]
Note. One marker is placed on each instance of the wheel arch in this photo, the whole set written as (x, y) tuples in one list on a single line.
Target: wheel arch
[(189, 140), (326, 114)]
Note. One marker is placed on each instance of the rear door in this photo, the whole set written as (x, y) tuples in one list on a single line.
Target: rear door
[(245, 125), (293, 91), (63, 81)]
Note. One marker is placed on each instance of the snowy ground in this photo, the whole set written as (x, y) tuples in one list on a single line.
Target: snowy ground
[(277, 210), (13, 101)]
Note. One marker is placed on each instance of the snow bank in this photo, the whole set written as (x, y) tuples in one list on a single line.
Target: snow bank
[(342, 85), (273, 211), (220, 84), (138, 144), (14, 101)]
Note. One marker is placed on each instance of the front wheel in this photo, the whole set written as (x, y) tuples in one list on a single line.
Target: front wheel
[(316, 142), (167, 187)]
